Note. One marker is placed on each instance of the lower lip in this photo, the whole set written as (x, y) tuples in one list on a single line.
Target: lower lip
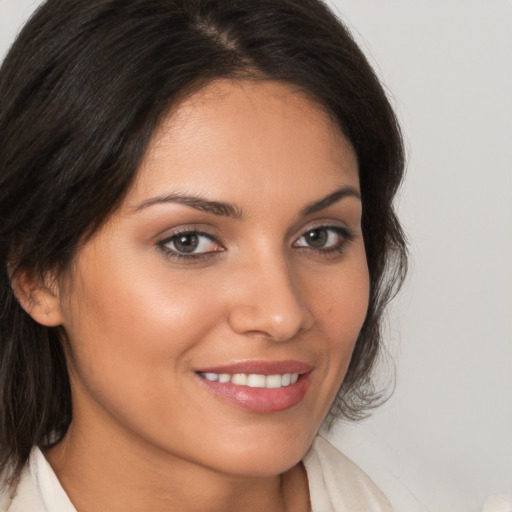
[(261, 400)]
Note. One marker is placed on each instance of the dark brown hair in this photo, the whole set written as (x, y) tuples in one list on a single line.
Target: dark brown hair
[(83, 89)]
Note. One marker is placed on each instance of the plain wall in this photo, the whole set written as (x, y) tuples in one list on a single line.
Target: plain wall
[(443, 442)]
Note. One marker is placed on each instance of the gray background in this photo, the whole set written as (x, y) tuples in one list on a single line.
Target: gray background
[(444, 440)]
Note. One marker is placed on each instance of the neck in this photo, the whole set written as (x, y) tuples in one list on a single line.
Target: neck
[(109, 471)]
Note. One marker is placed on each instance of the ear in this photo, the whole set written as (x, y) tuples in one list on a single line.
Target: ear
[(38, 297)]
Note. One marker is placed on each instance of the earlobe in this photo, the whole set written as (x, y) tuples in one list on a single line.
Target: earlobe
[(38, 297)]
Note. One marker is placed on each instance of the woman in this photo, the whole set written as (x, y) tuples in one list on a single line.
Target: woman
[(197, 242)]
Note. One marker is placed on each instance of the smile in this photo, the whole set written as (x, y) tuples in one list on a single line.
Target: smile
[(253, 380), (259, 386)]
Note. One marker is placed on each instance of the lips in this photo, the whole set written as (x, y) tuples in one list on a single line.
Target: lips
[(259, 386)]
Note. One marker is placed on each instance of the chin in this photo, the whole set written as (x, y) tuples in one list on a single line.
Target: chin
[(264, 455)]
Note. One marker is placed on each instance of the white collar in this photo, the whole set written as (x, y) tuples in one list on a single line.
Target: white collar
[(54, 497)]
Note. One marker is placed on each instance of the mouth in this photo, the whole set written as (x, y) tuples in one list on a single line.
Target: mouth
[(253, 380), (262, 387)]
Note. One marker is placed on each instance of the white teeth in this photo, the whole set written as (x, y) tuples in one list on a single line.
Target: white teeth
[(286, 379), (273, 381), (240, 379), (253, 380), (256, 381)]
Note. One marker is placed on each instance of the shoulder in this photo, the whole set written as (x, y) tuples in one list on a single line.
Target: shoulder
[(337, 484)]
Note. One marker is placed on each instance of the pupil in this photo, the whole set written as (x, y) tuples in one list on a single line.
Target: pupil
[(317, 237), (186, 243)]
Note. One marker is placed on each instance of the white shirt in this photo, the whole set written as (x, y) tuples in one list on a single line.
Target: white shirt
[(336, 484)]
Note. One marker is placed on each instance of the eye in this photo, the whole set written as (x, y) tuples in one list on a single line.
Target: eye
[(190, 244), (325, 239)]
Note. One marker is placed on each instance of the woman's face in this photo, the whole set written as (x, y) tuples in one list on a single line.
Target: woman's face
[(211, 320)]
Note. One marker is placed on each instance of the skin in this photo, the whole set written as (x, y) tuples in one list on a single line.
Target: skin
[(147, 434)]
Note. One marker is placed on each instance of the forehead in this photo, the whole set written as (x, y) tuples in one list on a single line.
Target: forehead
[(262, 135)]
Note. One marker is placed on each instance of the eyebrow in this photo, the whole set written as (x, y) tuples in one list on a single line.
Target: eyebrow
[(229, 210), (199, 203), (327, 201)]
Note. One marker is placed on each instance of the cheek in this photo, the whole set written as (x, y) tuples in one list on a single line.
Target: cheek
[(341, 298), (128, 307), (340, 303), (128, 330), (132, 344)]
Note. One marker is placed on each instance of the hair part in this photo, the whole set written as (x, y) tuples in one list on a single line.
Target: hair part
[(82, 91)]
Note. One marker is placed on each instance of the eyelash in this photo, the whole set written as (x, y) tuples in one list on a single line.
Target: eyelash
[(177, 255), (345, 237)]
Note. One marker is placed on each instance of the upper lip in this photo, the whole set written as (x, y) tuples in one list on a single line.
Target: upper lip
[(260, 367)]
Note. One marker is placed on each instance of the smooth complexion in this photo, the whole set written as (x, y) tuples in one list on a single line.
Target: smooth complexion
[(238, 250)]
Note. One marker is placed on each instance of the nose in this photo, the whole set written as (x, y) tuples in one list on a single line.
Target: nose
[(268, 302)]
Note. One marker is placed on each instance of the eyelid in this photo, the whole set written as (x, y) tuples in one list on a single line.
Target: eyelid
[(163, 244), (346, 236), (326, 224)]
